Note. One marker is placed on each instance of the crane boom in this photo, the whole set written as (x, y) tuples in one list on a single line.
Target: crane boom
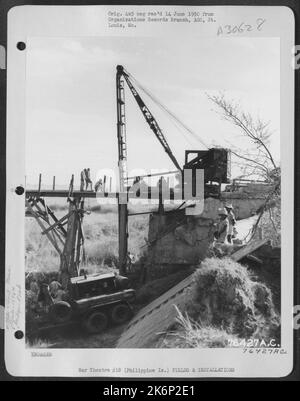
[(121, 77), (149, 117), (122, 163)]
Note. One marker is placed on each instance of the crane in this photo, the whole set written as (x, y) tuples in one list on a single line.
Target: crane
[(214, 161), (153, 124), (122, 77)]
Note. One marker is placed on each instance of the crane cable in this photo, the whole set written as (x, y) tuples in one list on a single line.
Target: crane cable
[(163, 107)]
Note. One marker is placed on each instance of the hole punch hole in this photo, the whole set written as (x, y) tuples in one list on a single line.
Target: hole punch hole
[(19, 190), (21, 46), (19, 334)]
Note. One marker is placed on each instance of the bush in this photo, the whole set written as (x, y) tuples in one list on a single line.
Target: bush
[(224, 295), (271, 224)]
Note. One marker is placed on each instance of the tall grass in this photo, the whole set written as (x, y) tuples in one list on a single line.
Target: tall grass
[(192, 334), (101, 238)]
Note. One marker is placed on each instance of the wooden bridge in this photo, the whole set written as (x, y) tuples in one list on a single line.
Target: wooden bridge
[(152, 193)]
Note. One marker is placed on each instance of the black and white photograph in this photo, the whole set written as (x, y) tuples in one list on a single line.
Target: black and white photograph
[(153, 168)]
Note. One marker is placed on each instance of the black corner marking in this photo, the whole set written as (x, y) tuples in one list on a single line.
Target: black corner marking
[(19, 334), (19, 190), (21, 46)]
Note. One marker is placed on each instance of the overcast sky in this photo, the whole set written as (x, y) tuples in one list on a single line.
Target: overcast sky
[(71, 99)]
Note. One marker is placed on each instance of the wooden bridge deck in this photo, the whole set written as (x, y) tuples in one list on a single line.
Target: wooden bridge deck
[(45, 193)]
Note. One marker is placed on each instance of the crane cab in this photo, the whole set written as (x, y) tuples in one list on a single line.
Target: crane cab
[(216, 165)]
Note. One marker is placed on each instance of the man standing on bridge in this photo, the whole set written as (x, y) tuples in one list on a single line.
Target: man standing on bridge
[(99, 185), (88, 181), (82, 180)]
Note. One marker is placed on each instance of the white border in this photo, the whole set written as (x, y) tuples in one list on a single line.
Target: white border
[(29, 21)]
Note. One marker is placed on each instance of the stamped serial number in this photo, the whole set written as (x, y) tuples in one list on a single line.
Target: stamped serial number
[(253, 343), (241, 27)]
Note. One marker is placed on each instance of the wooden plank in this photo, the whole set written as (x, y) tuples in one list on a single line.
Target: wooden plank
[(152, 323), (170, 294), (152, 193), (57, 222), (51, 213), (43, 227), (40, 182), (250, 247), (61, 228), (46, 219), (67, 266)]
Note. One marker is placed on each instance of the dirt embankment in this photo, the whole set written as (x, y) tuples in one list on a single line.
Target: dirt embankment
[(224, 295), (222, 300)]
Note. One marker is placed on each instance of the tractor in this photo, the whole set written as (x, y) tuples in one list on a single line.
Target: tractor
[(94, 300)]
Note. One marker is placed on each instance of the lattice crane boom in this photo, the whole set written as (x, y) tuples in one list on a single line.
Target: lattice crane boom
[(148, 116)]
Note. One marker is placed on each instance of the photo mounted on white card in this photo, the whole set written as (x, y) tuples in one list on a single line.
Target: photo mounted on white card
[(150, 191)]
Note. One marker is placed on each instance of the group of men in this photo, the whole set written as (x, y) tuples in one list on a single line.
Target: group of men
[(85, 178), (226, 230), (86, 182)]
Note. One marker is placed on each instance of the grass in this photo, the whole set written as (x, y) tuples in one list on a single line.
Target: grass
[(225, 295), (192, 334), (77, 339), (101, 238), (271, 224), (224, 305)]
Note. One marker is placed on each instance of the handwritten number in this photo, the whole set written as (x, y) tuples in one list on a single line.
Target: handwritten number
[(260, 22), (241, 28)]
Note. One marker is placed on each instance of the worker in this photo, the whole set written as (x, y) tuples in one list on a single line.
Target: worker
[(136, 186), (82, 180), (99, 185), (139, 186), (222, 227), (232, 222), (56, 291), (88, 181), (136, 180), (129, 260)]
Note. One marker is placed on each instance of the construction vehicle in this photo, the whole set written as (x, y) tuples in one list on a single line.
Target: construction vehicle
[(95, 301), (215, 161)]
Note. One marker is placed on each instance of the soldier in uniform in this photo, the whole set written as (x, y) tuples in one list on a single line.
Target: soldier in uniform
[(82, 180), (99, 185), (221, 232), (129, 261), (88, 181), (232, 222)]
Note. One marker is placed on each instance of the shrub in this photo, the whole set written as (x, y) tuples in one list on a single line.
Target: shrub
[(223, 295)]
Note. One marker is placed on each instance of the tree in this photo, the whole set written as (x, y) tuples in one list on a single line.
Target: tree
[(255, 160)]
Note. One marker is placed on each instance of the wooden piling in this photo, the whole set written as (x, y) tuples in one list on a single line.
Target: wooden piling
[(40, 182)]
